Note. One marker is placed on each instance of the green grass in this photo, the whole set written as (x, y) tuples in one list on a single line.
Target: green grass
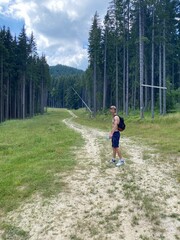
[(161, 133), (13, 232), (32, 154), (141, 199)]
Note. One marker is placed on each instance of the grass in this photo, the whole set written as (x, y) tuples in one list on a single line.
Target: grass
[(13, 232), (33, 153), (74, 237), (142, 200), (161, 134), (135, 220), (144, 237)]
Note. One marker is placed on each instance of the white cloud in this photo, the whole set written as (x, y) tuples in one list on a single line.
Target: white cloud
[(4, 1), (60, 26), (54, 6)]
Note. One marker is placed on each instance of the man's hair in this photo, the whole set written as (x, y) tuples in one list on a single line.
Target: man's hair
[(113, 107)]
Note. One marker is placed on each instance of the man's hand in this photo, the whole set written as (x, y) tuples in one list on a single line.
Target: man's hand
[(110, 135)]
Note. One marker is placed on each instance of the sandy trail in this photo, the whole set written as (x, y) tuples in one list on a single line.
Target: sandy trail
[(137, 201)]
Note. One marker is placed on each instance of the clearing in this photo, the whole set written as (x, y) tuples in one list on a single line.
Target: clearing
[(140, 200)]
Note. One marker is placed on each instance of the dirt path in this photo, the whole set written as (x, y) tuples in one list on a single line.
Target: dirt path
[(137, 201)]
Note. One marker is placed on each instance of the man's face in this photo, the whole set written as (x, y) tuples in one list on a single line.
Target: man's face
[(112, 110)]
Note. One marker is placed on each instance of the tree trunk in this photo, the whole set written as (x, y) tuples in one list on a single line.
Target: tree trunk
[(1, 93), (18, 100), (30, 97), (117, 80), (127, 67), (135, 90), (42, 96), (160, 80), (146, 89), (10, 99), (152, 68), (95, 87), (23, 95), (7, 99), (173, 74), (124, 64), (105, 73), (124, 78), (46, 99), (164, 67), (127, 81), (15, 105), (141, 61), (33, 98), (179, 74)]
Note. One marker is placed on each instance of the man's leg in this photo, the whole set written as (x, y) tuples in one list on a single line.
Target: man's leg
[(118, 151), (121, 160), (114, 153), (113, 160)]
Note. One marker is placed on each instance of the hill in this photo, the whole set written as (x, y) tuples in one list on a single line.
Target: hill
[(62, 70)]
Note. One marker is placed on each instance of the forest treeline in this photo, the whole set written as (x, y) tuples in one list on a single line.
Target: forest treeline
[(65, 82), (24, 76), (138, 43), (63, 70)]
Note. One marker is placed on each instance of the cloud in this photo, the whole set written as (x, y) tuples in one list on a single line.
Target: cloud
[(60, 26)]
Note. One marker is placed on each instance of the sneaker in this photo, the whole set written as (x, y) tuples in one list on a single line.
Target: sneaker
[(112, 161), (120, 163)]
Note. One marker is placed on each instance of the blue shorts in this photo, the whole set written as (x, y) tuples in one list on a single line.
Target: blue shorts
[(115, 139)]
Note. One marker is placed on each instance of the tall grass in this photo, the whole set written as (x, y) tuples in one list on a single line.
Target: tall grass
[(32, 153)]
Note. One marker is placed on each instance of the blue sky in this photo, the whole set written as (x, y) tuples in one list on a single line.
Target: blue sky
[(14, 24), (60, 27)]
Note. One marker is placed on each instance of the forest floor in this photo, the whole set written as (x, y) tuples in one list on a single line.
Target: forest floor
[(140, 200)]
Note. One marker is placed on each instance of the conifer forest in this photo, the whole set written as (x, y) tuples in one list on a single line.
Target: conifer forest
[(134, 63), (137, 44), (24, 77)]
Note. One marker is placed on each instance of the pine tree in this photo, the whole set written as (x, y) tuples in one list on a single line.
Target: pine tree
[(141, 57), (95, 55), (140, 44), (19, 75), (23, 54)]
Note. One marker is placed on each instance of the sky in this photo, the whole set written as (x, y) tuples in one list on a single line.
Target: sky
[(61, 27)]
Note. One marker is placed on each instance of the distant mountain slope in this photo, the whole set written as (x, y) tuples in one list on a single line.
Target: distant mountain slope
[(62, 70)]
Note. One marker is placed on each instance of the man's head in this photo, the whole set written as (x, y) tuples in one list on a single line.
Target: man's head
[(113, 109)]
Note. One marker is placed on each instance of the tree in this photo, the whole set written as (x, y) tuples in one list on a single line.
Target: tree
[(105, 35), (152, 66), (32, 61), (127, 60), (140, 44), (95, 55), (23, 53), (141, 57), (20, 76)]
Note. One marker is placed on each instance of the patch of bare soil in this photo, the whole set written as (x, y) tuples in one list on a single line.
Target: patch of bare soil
[(139, 200)]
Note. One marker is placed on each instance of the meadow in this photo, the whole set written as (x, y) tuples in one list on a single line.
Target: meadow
[(40, 157), (161, 133), (33, 153)]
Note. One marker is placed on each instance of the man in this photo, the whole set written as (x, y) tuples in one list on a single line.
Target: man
[(115, 136)]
